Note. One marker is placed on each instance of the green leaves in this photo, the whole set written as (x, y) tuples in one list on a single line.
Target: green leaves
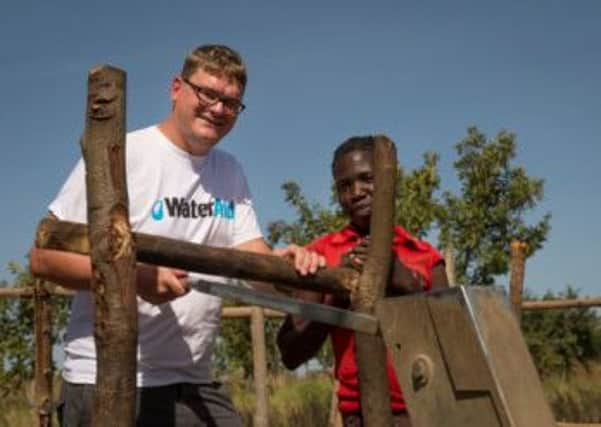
[(417, 208), (17, 331), (559, 340), (313, 219), (490, 210)]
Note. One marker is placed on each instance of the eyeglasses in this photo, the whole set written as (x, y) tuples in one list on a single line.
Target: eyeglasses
[(209, 97)]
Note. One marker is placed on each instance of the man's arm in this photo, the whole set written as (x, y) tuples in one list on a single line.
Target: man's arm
[(305, 262), (74, 271)]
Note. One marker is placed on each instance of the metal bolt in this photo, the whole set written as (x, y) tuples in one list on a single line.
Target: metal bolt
[(421, 372)]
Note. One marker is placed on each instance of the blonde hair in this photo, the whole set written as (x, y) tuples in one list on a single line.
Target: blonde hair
[(218, 60)]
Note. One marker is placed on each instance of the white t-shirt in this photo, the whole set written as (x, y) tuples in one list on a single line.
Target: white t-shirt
[(173, 194)]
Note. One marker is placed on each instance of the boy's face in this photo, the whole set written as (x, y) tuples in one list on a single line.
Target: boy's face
[(354, 179)]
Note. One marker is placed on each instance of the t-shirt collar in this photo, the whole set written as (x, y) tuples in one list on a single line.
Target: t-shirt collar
[(350, 234), (347, 235)]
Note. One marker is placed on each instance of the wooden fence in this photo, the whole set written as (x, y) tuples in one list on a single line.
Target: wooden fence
[(41, 292)]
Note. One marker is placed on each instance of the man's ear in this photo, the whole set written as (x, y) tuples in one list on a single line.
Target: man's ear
[(176, 88)]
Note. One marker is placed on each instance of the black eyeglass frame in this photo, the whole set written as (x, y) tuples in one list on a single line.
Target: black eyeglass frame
[(235, 106)]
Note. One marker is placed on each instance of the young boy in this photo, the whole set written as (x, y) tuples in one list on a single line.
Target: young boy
[(417, 266)]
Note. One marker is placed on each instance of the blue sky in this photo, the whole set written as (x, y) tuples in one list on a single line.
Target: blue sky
[(319, 73)]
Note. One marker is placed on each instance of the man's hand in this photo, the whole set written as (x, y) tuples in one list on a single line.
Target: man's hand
[(158, 285), (305, 262)]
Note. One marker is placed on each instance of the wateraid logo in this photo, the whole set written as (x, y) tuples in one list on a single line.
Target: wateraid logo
[(182, 208), (157, 210)]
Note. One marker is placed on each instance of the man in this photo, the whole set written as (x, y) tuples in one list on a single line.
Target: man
[(180, 186), (417, 266)]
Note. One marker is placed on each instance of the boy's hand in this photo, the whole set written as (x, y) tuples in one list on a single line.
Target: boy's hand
[(357, 256)]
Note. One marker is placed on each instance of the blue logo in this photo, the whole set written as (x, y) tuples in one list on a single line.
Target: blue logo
[(157, 210), (183, 208), (224, 208)]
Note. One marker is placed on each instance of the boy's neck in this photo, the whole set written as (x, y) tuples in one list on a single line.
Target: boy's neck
[(361, 230)]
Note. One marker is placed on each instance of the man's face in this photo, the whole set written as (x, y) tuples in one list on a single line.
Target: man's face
[(354, 179), (203, 125)]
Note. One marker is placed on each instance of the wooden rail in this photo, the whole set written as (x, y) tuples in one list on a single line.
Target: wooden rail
[(530, 305), (551, 304)]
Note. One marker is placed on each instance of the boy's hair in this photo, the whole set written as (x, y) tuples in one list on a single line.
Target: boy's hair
[(218, 60), (354, 143)]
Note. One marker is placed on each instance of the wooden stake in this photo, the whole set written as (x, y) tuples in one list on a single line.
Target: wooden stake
[(43, 354), (257, 329), (516, 282), (449, 260), (371, 349), (111, 249)]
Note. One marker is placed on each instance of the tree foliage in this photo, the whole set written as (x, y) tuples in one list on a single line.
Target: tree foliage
[(489, 212), (17, 350), (561, 339), (313, 219)]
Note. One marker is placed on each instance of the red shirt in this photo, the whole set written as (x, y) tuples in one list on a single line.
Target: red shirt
[(418, 256)]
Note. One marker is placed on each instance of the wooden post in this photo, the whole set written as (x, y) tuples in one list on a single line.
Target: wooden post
[(43, 354), (72, 237), (257, 330), (371, 349), (111, 249), (334, 417), (449, 260), (516, 282)]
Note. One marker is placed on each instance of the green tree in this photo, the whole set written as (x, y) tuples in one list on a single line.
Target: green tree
[(561, 339), (489, 212), (17, 326)]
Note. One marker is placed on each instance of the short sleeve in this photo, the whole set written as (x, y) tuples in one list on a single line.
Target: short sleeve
[(70, 203)]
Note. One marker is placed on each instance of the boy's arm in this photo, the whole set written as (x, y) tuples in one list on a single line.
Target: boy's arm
[(439, 276), (299, 339), (405, 281)]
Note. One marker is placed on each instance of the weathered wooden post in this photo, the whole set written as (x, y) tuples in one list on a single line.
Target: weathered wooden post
[(43, 354), (257, 329), (449, 261), (371, 349), (516, 282), (111, 249)]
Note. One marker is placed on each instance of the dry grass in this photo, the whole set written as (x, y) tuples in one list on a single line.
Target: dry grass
[(293, 402), (577, 396), (299, 402)]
